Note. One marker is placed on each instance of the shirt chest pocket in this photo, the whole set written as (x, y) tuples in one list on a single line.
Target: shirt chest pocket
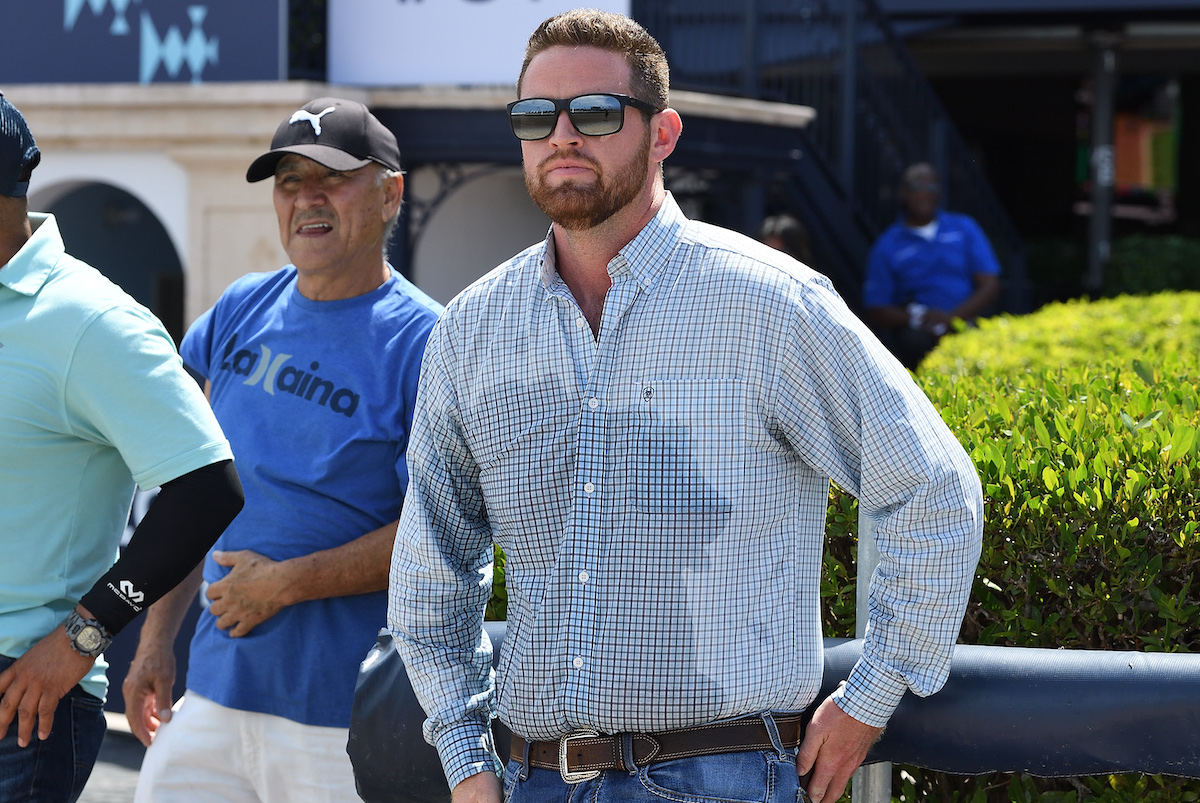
[(688, 446)]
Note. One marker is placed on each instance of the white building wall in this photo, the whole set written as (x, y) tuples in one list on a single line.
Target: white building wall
[(478, 226)]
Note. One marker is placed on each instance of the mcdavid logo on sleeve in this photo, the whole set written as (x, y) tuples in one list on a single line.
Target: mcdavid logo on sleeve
[(127, 592), (271, 372)]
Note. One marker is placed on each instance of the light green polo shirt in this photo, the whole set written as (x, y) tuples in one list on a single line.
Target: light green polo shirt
[(93, 398)]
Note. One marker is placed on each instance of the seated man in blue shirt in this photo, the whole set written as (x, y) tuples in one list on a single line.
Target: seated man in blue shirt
[(929, 268)]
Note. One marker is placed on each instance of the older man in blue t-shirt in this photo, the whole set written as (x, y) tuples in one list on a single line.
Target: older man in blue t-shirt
[(312, 371), (928, 269)]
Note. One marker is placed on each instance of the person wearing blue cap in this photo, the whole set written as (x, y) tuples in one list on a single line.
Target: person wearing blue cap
[(95, 399), (312, 371)]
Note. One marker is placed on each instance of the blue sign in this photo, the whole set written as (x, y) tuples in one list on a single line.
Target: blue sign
[(145, 41)]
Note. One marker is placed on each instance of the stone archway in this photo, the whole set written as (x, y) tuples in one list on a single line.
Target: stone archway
[(114, 232)]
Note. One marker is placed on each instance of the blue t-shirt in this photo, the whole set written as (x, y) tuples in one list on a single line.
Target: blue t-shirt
[(904, 267), (93, 397), (316, 398)]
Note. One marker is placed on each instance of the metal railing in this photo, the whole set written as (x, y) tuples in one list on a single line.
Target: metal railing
[(1049, 713), (876, 113)]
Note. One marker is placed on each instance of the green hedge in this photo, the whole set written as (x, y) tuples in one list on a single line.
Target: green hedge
[(1082, 422), (1139, 264), (1153, 263)]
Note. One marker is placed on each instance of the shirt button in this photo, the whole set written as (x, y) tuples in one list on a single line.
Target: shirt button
[(588, 487), (577, 663), (593, 403), (583, 577), (580, 323)]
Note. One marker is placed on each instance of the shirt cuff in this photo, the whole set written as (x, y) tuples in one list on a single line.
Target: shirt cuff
[(467, 750), (870, 694)]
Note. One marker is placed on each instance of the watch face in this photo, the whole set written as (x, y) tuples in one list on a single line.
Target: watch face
[(89, 638)]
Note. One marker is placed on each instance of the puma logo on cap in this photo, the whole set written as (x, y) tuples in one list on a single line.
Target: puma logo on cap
[(307, 116)]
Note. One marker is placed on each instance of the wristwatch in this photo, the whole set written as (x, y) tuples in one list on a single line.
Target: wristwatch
[(88, 637)]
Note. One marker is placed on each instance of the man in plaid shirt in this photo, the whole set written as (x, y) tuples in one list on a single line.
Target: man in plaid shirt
[(645, 413)]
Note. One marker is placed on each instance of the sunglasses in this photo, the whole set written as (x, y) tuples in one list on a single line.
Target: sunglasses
[(594, 115)]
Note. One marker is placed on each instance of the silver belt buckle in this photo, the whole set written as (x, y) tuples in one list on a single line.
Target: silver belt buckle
[(567, 775)]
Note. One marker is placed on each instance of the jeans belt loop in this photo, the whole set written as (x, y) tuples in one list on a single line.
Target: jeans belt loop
[(630, 761), (773, 730), (525, 765)]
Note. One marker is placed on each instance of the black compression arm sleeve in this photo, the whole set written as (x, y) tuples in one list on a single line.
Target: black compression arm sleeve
[(179, 528)]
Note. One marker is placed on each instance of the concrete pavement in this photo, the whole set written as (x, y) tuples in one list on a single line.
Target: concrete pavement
[(116, 772)]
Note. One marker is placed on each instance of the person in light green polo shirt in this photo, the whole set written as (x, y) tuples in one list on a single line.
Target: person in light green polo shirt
[(93, 399)]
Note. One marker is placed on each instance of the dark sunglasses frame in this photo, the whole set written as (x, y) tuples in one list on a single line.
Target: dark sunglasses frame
[(574, 115)]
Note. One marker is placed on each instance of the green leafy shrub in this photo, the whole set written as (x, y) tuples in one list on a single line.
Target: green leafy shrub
[(1153, 263), (1082, 422), (497, 607), (1082, 425)]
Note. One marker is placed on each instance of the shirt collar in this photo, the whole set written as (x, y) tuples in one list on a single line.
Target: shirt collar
[(644, 257), (935, 223), (648, 254), (29, 269), (928, 231)]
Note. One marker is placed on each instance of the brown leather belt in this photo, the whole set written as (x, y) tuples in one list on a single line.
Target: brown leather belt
[(584, 754)]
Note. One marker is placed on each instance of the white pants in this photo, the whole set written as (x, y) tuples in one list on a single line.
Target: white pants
[(208, 752)]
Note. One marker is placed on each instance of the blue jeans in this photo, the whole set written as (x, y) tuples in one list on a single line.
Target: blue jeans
[(768, 776), (54, 770)]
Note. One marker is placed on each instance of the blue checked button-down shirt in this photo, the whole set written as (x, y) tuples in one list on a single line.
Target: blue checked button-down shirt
[(660, 494)]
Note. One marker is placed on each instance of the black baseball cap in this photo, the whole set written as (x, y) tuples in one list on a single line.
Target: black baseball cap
[(340, 134), (19, 154)]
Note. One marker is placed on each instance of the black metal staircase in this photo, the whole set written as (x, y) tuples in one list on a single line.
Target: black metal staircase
[(876, 114)]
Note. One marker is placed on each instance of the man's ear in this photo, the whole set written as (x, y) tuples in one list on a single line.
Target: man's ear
[(393, 194), (665, 129)]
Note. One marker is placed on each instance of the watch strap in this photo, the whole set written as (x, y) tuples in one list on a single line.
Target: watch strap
[(88, 637)]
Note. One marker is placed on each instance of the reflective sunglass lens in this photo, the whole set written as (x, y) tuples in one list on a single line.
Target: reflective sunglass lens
[(596, 115), (533, 118)]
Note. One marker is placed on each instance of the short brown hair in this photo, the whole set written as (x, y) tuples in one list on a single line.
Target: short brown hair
[(649, 73)]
